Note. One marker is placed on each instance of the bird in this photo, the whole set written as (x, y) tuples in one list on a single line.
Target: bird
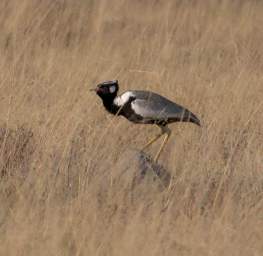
[(144, 107)]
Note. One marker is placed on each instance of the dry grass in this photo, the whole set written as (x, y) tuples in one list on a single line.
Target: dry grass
[(60, 151)]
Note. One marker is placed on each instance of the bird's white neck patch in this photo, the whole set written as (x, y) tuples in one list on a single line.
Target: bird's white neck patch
[(123, 99)]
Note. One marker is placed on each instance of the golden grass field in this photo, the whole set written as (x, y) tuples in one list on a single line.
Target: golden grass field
[(62, 155)]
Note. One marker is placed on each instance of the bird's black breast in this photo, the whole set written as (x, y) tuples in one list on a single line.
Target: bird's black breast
[(110, 107), (123, 110), (108, 103), (127, 111)]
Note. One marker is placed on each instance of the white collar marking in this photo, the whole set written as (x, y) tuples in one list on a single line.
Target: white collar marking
[(123, 98)]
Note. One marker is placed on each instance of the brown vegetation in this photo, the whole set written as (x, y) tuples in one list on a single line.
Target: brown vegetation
[(67, 166)]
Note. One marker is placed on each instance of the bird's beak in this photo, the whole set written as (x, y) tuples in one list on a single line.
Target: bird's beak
[(93, 89)]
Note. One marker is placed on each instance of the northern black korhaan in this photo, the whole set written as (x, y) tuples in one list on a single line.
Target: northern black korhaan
[(144, 107)]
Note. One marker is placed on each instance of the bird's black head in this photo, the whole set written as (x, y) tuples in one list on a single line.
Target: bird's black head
[(107, 89)]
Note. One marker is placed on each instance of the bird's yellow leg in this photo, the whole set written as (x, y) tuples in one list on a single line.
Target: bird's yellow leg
[(167, 132), (152, 141)]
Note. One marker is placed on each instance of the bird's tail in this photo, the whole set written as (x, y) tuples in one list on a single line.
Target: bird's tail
[(190, 117)]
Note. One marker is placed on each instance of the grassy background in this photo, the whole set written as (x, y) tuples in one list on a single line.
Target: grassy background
[(60, 151)]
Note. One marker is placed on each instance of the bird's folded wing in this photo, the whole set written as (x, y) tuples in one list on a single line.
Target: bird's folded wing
[(157, 109)]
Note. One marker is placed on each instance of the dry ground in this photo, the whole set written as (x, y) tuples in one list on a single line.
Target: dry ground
[(60, 151)]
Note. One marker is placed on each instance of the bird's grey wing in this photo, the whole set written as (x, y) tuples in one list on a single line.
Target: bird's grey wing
[(153, 106), (156, 107)]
